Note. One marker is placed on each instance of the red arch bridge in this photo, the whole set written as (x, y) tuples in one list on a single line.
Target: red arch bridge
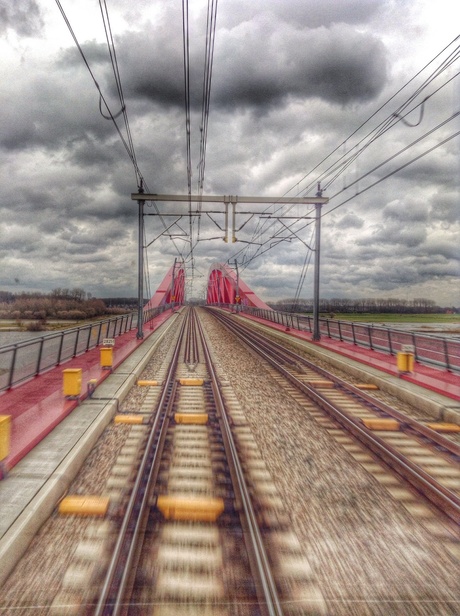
[(224, 287)]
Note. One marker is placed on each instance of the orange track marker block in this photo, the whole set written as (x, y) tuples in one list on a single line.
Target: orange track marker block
[(84, 505), (366, 386), (128, 419), (391, 425), (192, 382), (444, 427), (190, 509), (191, 418)]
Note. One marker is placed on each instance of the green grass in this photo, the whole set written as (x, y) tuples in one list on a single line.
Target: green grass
[(396, 318)]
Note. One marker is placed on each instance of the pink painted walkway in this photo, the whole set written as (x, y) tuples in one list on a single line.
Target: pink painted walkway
[(433, 379), (38, 405)]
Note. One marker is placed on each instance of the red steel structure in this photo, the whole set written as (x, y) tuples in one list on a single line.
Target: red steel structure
[(225, 287), (171, 289)]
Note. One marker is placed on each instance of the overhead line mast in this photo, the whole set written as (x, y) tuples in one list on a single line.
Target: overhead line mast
[(230, 227)]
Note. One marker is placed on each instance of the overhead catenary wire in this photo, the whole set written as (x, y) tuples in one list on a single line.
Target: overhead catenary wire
[(116, 73), (211, 21), (195, 216), (398, 153), (102, 98), (447, 64), (339, 167), (127, 143), (349, 156), (207, 81), (382, 179), (187, 105)]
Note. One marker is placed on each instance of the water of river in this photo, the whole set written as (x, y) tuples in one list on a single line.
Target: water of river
[(13, 337)]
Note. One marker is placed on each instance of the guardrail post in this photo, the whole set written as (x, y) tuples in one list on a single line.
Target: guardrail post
[(13, 362), (390, 346), (328, 328), (88, 341), (61, 344), (414, 342), (353, 332), (99, 334), (446, 353), (369, 331), (76, 343), (39, 359), (340, 331)]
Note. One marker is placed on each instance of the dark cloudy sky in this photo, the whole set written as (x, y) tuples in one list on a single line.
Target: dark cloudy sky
[(302, 90)]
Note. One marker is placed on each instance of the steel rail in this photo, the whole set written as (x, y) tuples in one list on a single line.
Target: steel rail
[(293, 358), (271, 603), (441, 497), (120, 568)]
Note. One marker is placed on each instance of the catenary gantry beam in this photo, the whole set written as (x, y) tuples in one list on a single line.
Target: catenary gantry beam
[(226, 199)]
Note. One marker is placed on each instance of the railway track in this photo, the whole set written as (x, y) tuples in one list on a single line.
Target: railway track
[(422, 458), (202, 511)]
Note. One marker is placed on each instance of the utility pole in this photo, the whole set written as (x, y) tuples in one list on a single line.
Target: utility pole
[(316, 330), (140, 278)]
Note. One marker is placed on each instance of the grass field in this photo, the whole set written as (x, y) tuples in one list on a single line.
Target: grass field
[(396, 318)]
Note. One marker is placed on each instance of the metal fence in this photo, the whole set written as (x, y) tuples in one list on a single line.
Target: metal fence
[(26, 359), (439, 351)]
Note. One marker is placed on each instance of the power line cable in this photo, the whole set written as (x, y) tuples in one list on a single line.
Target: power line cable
[(374, 114), (401, 151), (187, 105), (410, 162), (129, 147), (116, 72), (391, 120)]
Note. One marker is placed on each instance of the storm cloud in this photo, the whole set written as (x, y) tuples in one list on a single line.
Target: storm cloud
[(300, 93)]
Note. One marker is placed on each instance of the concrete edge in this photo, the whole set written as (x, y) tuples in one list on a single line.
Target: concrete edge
[(17, 539)]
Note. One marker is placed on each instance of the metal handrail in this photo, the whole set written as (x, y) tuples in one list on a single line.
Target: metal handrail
[(428, 349), (23, 360)]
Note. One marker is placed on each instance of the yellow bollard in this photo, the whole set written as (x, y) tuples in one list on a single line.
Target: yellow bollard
[(106, 357), (5, 436), (405, 362), (72, 382)]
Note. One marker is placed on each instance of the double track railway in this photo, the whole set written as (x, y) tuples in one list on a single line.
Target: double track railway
[(195, 532)]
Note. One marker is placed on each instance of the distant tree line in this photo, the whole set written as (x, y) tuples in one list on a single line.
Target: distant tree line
[(369, 305), (63, 304)]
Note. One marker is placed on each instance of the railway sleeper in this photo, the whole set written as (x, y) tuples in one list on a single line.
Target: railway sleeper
[(193, 558), (184, 586), (190, 534)]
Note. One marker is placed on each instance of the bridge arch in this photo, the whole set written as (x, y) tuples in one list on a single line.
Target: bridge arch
[(225, 287), (171, 289)]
